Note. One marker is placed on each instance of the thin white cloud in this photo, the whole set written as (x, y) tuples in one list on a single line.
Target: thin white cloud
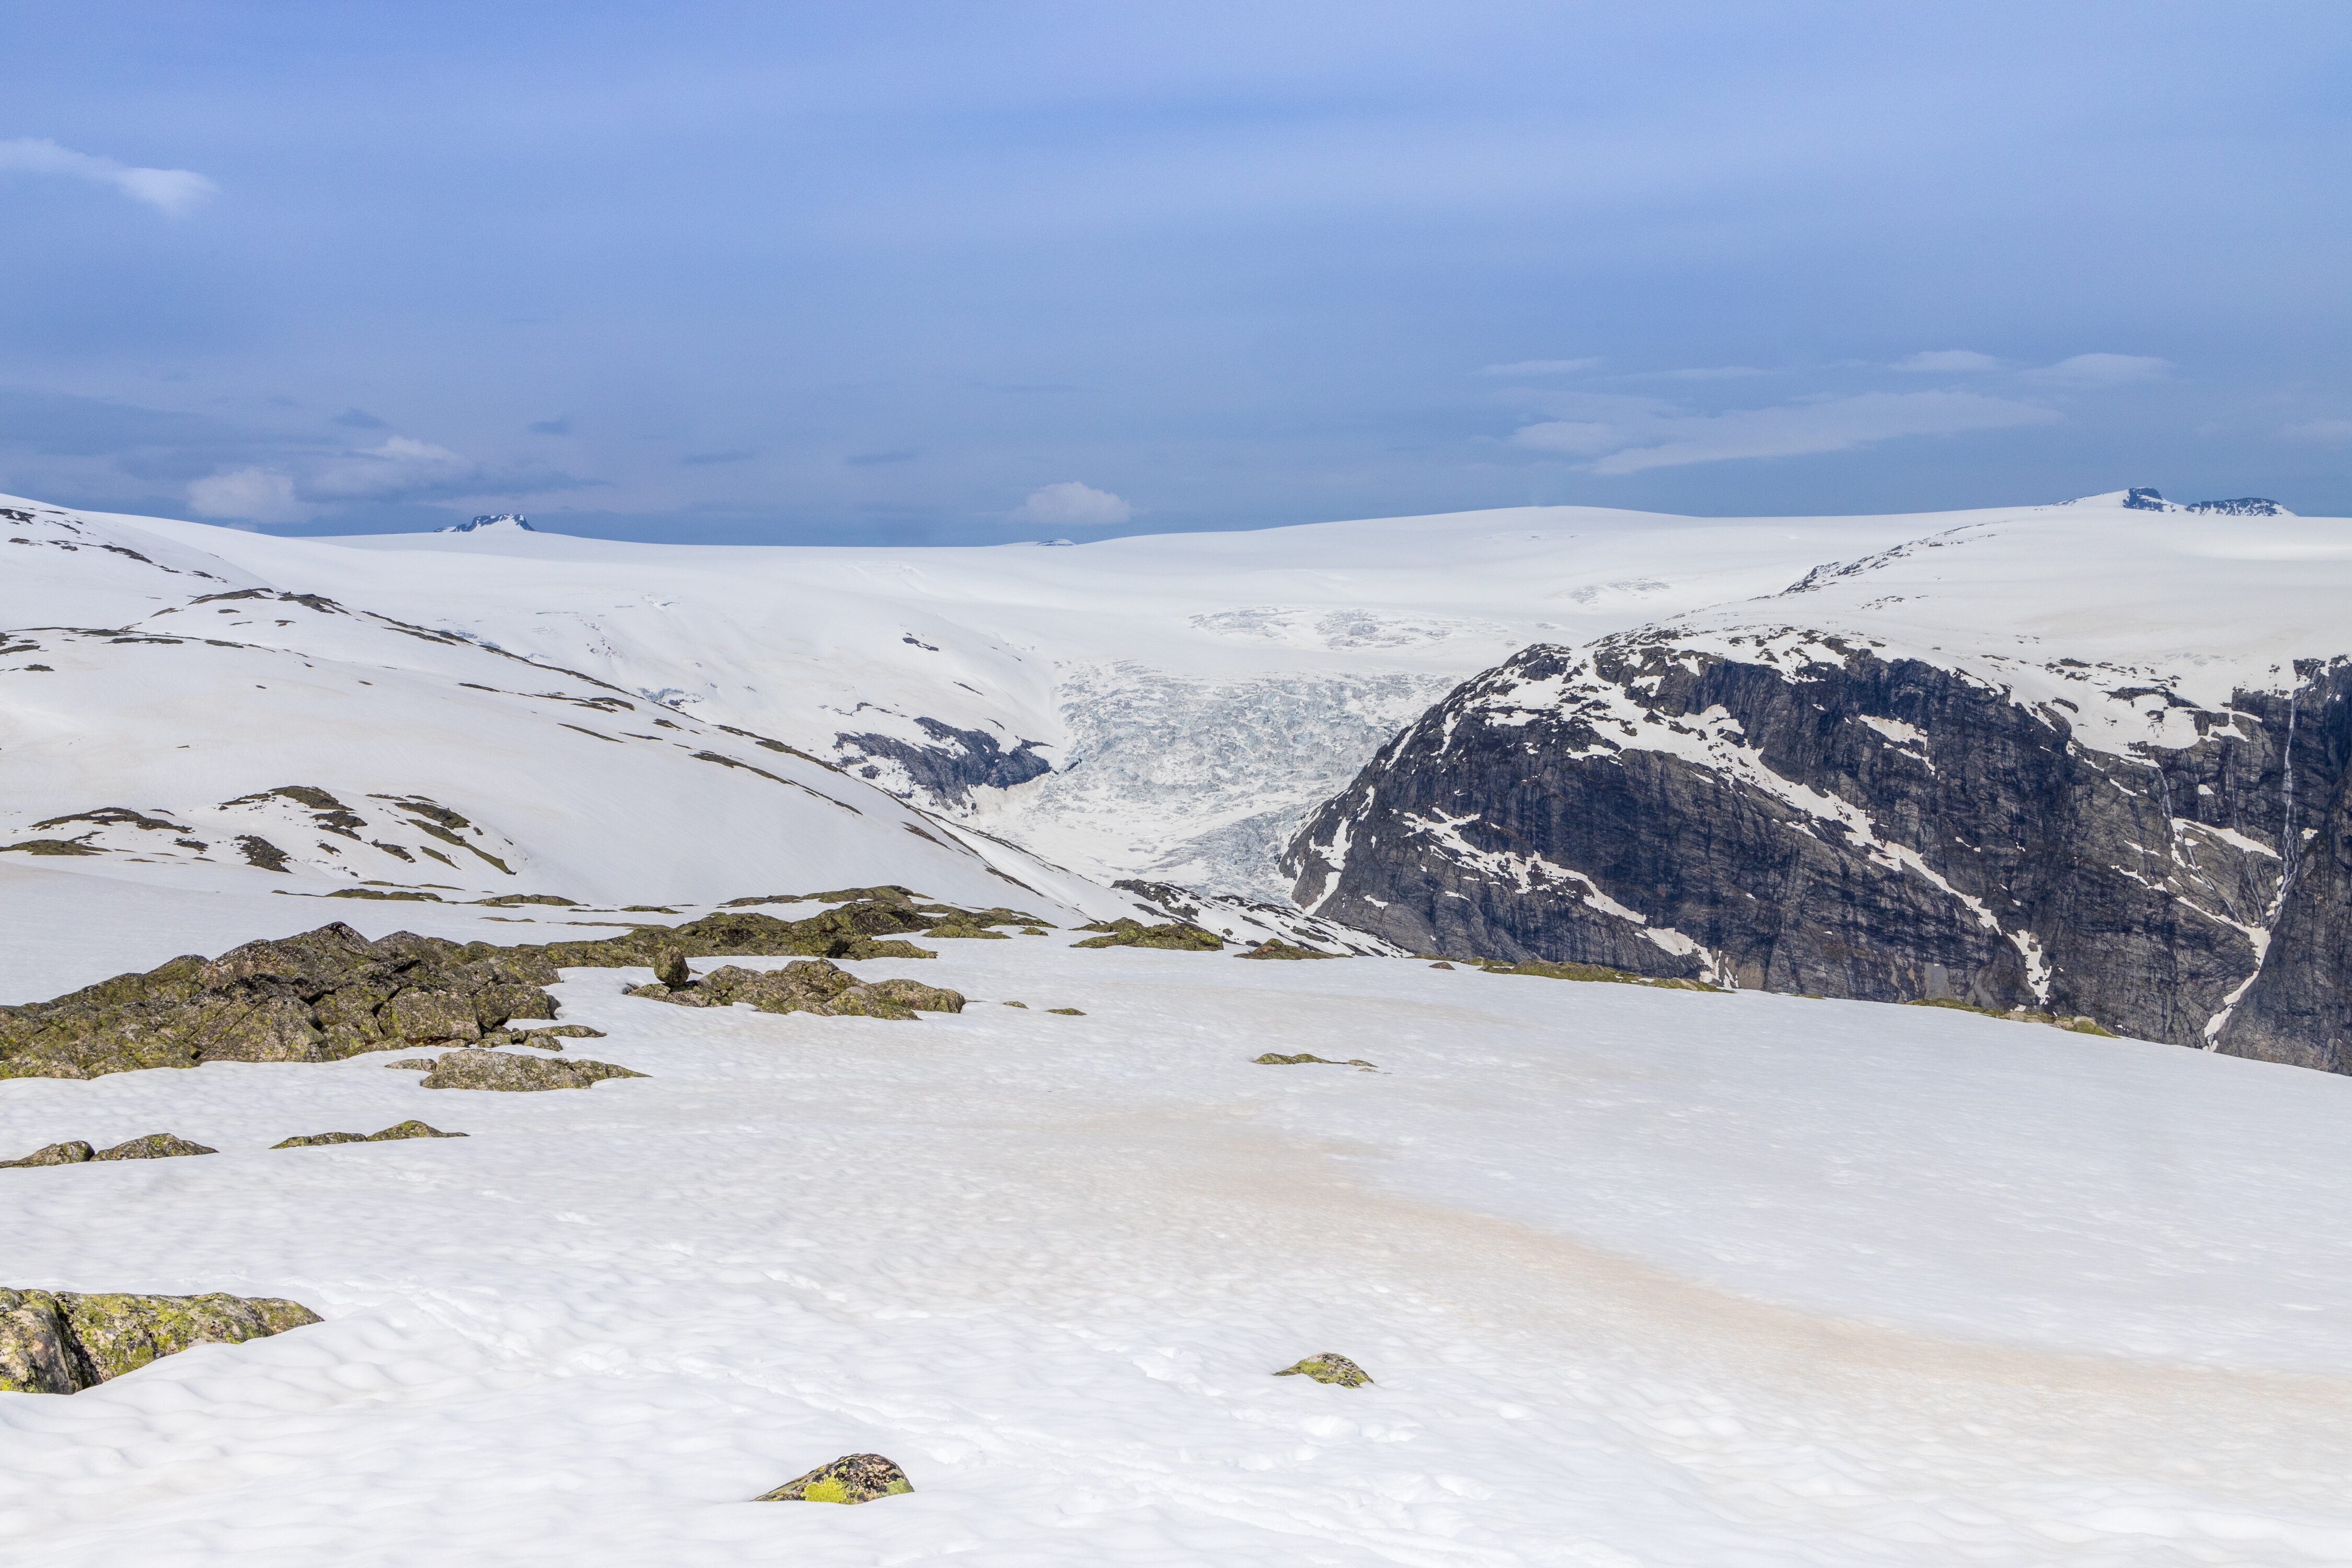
[(1945, 362), (2327, 432), (1710, 372), (2092, 371), (402, 468), (175, 193), (247, 495), (1072, 505), (1540, 367), (1642, 434)]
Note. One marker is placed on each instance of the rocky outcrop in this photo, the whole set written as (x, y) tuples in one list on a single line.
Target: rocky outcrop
[(1276, 1059), (810, 985), (391, 1134), (469, 1069), (1329, 1368), (852, 1479), (1175, 934), (332, 993), (153, 1146), (1280, 949), (1798, 812), (946, 772), (62, 1341), (327, 993)]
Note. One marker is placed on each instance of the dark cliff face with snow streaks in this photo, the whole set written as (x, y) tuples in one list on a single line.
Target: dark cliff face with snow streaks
[(1791, 811)]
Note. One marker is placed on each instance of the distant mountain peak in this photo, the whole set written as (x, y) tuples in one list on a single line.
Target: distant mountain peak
[(503, 520), (2145, 497)]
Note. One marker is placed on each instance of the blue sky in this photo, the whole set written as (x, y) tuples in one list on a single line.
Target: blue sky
[(954, 272)]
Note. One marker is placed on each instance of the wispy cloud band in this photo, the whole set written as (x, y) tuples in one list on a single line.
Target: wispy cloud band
[(175, 193), (1659, 437)]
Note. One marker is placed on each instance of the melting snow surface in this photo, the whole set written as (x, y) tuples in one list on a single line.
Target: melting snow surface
[(1643, 1277)]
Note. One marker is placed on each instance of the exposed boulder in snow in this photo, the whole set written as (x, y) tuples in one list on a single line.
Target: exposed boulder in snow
[(63, 1341), (469, 1069), (154, 1146), (1280, 949), (852, 1479), (1175, 934), (394, 1134), (72, 1153), (810, 985), (1329, 1368)]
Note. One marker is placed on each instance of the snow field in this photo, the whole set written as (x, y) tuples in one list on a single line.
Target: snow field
[(1645, 1278)]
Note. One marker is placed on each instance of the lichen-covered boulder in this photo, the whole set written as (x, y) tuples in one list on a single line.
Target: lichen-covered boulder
[(1276, 1059), (1329, 1368), (1441, 963), (670, 968), (565, 1031), (62, 1341), (72, 1153), (154, 1146), (416, 1063), (1066, 1012), (1175, 934), (37, 1355), (412, 1128), (1278, 948), (852, 1479), (471, 1068), (810, 985), (397, 1130)]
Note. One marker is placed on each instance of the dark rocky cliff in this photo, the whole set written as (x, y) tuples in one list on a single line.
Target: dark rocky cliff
[(1813, 815)]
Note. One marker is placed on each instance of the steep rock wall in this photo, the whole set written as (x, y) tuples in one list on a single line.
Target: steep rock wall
[(1824, 815)]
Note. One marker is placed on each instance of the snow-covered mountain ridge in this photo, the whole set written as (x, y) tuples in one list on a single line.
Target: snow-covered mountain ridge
[(2092, 757), (1163, 707)]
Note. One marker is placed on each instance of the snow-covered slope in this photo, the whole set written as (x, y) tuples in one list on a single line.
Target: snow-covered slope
[(170, 721), (2091, 756), (1642, 1278), (1194, 696)]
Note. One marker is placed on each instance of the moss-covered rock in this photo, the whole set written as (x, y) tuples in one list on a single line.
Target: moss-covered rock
[(1329, 1368), (1066, 1012), (810, 985), (1175, 934), (393, 1133), (1277, 948), (1276, 1059), (2078, 1023), (73, 1152), (471, 1068), (852, 1479), (154, 1146), (1597, 973), (62, 1341), (410, 1129), (332, 993)]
